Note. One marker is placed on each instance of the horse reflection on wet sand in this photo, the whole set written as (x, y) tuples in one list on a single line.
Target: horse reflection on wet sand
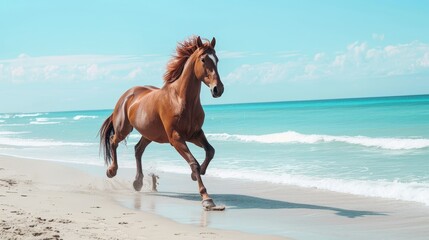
[(171, 114)]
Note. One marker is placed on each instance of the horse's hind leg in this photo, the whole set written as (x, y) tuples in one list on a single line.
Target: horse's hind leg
[(122, 128), (114, 142), (113, 168), (139, 150)]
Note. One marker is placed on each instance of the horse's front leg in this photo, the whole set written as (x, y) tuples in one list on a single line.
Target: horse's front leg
[(180, 145), (200, 140)]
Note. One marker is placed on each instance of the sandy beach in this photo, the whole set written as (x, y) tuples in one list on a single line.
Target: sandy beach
[(304, 120), (49, 200)]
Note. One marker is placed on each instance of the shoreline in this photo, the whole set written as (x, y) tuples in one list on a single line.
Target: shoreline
[(48, 200), (252, 208)]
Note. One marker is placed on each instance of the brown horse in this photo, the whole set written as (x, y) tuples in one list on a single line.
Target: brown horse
[(171, 114)]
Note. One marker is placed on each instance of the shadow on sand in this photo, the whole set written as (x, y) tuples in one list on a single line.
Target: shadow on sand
[(236, 201)]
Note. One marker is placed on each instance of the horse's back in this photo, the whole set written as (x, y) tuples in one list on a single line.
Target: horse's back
[(137, 90)]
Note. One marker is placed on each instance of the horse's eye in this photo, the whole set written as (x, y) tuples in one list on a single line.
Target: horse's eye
[(203, 59)]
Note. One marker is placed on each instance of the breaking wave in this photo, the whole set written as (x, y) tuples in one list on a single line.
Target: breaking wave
[(11, 133), (295, 137), (18, 142), (45, 121), (21, 115), (405, 191), (79, 117)]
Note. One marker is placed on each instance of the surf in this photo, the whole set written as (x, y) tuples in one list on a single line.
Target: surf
[(295, 137)]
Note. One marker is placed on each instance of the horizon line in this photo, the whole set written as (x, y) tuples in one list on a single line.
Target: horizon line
[(243, 103)]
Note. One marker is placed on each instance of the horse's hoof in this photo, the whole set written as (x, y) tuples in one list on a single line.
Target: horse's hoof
[(138, 185), (208, 203), (110, 173)]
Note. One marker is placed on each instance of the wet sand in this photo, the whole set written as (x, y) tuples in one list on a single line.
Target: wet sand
[(298, 213), (48, 200)]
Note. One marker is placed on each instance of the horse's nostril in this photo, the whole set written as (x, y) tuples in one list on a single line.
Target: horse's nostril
[(215, 91)]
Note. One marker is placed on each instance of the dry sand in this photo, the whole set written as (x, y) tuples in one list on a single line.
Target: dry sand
[(47, 200)]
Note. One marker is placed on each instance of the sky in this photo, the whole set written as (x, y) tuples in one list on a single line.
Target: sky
[(82, 55)]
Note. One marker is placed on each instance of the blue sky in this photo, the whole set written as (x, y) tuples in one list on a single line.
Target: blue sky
[(58, 55)]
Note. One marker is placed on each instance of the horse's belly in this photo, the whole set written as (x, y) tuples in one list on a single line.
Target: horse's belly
[(153, 131), (150, 127)]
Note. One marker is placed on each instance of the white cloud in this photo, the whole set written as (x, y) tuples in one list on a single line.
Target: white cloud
[(372, 53), (264, 72), (319, 56), (92, 71), (424, 61), (134, 73), (231, 54), (339, 60), (50, 71), (358, 60), (357, 48), (23, 56), (289, 54), (26, 68), (310, 69), (17, 71), (378, 36), (391, 50)]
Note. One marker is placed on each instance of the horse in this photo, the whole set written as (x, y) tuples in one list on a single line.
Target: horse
[(170, 114)]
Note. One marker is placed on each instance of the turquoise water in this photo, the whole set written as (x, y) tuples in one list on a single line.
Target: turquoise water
[(371, 146)]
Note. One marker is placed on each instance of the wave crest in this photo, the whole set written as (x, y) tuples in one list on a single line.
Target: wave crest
[(22, 115), (17, 142), (405, 191), (295, 137), (11, 133), (79, 117)]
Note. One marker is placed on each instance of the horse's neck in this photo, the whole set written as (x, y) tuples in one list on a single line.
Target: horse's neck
[(188, 86)]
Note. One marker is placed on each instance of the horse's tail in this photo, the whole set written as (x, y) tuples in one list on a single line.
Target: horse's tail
[(106, 131)]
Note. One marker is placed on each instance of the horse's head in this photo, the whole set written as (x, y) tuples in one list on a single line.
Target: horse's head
[(205, 67)]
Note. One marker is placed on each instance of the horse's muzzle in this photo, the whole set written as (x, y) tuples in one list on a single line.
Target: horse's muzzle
[(217, 91)]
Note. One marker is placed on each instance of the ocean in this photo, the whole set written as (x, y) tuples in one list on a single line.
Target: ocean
[(376, 147)]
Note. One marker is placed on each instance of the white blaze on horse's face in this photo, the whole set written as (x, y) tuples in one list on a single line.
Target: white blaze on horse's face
[(213, 79), (212, 57)]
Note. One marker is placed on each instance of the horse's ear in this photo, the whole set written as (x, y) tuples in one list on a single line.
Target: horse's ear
[(213, 42), (199, 42)]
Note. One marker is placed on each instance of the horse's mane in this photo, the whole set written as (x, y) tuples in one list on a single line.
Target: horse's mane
[(183, 51)]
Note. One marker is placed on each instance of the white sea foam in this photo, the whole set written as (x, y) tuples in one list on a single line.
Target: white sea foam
[(13, 124), (45, 121), (79, 117), (295, 137), (21, 115), (135, 135), (50, 119), (410, 191), (11, 133), (18, 142), (5, 116), (2, 121)]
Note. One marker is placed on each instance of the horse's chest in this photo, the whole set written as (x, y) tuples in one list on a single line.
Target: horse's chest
[(190, 122)]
